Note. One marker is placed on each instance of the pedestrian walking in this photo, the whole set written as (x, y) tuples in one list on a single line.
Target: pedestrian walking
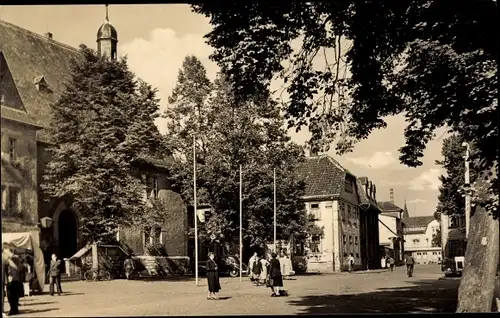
[(410, 263), (13, 283), (256, 270), (392, 262), (383, 263), (128, 265), (55, 275), (251, 261), (275, 280), (212, 277), (264, 270), (286, 265), (350, 262)]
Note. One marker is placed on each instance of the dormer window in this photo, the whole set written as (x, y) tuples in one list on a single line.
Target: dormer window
[(41, 84)]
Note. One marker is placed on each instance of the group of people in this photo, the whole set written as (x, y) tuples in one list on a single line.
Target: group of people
[(16, 278), (388, 262), (270, 271)]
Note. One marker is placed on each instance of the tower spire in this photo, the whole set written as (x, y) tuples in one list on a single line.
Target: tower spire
[(107, 16), (405, 211)]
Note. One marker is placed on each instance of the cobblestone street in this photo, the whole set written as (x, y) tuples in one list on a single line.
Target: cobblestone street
[(361, 292)]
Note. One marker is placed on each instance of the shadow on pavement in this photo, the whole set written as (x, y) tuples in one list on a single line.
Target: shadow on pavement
[(39, 303), (34, 311), (166, 279), (437, 296)]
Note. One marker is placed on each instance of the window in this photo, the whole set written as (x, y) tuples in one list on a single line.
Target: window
[(14, 201), (415, 241), (12, 149), (357, 255), (418, 253), (356, 240), (315, 244), (349, 215), (315, 212), (348, 186), (344, 238), (350, 239)]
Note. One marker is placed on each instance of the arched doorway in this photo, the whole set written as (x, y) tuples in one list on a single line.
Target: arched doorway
[(68, 234)]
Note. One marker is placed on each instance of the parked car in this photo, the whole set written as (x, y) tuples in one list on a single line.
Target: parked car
[(229, 265)]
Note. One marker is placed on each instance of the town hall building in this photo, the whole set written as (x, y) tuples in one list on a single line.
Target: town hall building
[(33, 71)]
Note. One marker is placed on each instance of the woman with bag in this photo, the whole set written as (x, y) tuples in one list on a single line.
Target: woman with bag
[(212, 277), (275, 281)]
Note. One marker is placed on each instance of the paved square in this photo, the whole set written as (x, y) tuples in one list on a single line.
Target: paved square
[(362, 292)]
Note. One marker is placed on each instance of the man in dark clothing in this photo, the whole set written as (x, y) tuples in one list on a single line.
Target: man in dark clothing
[(55, 275), (410, 262), (13, 283)]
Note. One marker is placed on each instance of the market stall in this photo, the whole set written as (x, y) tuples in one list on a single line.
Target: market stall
[(29, 241)]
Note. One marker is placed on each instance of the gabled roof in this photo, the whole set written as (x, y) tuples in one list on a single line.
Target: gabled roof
[(30, 56), (413, 225), (323, 176), (387, 206)]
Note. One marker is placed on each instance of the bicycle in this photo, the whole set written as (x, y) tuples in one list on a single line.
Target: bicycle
[(97, 275), (409, 270)]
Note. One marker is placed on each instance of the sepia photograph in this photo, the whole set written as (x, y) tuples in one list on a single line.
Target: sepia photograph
[(250, 158)]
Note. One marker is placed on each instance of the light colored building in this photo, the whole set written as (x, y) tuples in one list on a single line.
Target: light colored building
[(418, 234), (391, 230), (332, 201)]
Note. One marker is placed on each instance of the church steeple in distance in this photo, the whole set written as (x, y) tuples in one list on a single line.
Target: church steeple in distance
[(405, 212), (107, 38)]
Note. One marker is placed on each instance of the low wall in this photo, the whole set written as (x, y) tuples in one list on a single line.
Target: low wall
[(164, 265)]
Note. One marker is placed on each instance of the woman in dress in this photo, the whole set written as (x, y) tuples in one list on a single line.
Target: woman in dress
[(286, 265), (212, 277), (275, 278), (264, 273)]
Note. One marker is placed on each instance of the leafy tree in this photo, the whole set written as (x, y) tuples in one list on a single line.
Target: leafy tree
[(102, 123), (451, 192), (230, 133), (433, 61), (436, 239)]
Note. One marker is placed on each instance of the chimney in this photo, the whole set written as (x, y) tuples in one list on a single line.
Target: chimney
[(48, 35), (313, 153), (391, 195)]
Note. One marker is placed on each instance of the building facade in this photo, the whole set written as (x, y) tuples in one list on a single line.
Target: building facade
[(391, 233), (34, 70), (419, 235), (332, 202)]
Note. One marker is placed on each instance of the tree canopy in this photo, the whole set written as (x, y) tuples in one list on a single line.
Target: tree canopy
[(231, 132), (102, 123), (433, 61)]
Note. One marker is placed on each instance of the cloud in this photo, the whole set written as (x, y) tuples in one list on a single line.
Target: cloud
[(426, 180), (415, 201), (158, 58), (378, 160)]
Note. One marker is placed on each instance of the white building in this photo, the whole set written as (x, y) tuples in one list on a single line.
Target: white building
[(418, 235), (333, 199), (391, 230)]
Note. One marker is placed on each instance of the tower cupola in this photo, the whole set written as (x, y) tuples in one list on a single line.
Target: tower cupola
[(107, 39)]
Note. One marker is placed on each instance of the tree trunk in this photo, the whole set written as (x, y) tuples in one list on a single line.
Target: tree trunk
[(477, 286)]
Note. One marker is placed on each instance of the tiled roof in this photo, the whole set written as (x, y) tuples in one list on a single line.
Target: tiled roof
[(30, 56), (387, 206), (323, 176), (18, 116), (413, 224)]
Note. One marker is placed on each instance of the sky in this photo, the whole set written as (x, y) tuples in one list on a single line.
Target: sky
[(157, 38)]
